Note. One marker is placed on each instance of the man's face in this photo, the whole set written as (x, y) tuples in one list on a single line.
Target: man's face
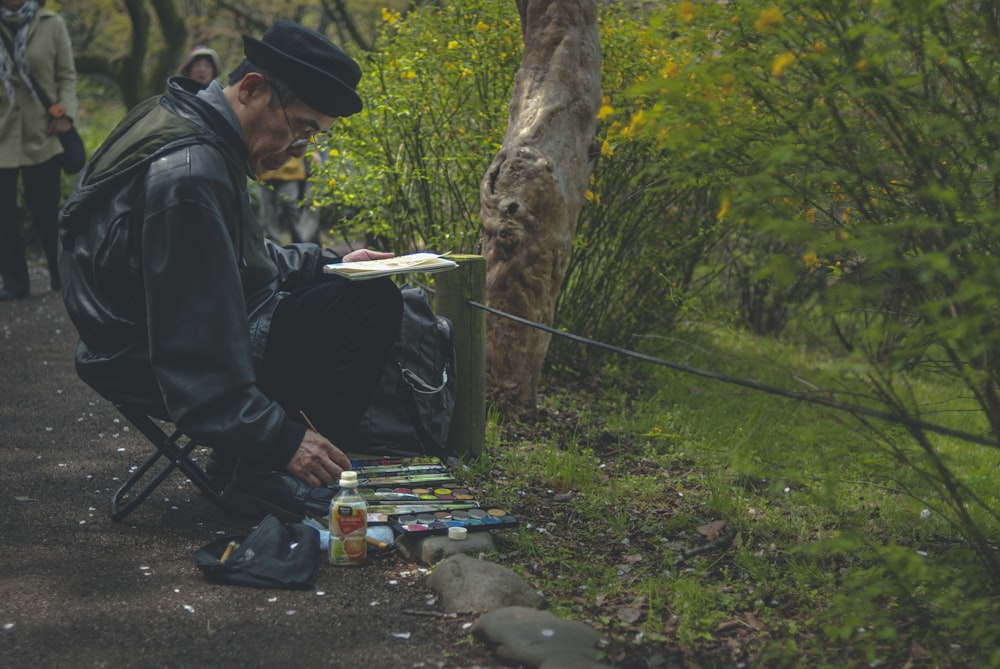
[(274, 133)]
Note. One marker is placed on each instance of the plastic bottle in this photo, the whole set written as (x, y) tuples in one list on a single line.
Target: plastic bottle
[(348, 523)]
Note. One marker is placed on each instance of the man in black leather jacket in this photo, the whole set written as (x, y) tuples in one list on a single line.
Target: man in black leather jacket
[(182, 307)]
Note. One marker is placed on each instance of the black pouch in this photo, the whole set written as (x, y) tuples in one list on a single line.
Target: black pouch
[(74, 155), (273, 555)]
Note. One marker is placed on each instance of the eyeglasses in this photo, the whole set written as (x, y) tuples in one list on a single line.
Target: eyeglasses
[(300, 138), (304, 137)]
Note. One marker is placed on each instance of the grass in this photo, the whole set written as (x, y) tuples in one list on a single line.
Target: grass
[(713, 525)]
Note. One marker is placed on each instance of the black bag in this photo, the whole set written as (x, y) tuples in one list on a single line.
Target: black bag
[(274, 555), (74, 156), (411, 410)]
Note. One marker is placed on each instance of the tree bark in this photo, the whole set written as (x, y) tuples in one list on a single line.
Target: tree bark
[(130, 70), (533, 191)]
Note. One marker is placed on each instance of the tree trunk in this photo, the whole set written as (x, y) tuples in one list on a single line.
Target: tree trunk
[(534, 189), (136, 78)]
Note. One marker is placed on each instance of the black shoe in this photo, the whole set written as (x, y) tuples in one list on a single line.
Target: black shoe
[(7, 294), (219, 469), (277, 493)]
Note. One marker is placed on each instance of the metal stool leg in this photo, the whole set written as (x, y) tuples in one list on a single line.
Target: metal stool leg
[(175, 456)]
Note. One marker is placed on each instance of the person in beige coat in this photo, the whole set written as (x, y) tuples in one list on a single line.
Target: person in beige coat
[(35, 45)]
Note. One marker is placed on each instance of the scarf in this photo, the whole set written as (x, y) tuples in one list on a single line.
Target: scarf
[(21, 18)]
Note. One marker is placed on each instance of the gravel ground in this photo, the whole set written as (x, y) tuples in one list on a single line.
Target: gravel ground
[(79, 590)]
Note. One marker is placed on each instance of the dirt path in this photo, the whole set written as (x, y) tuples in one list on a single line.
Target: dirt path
[(78, 590)]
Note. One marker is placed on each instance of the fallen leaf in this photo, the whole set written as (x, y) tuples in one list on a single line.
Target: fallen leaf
[(629, 614), (670, 625), (633, 611), (727, 625), (753, 621), (713, 529)]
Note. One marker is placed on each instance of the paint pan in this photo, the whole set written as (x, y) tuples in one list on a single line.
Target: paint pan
[(439, 522)]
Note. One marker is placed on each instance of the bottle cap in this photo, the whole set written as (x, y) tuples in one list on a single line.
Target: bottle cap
[(457, 533), (349, 479)]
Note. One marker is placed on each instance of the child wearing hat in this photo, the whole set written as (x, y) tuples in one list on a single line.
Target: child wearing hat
[(201, 64)]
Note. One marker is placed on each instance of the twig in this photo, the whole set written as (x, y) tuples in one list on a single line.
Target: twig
[(722, 542), (435, 614)]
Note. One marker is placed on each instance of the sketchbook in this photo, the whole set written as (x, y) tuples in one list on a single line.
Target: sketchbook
[(405, 264)]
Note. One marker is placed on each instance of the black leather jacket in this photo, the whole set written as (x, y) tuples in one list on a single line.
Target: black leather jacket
[(169, 281)]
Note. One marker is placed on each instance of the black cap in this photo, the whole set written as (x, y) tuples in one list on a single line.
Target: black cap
[(320, 73)]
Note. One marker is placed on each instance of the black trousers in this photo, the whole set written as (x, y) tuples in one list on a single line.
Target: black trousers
[(327, 347), (42, 194)]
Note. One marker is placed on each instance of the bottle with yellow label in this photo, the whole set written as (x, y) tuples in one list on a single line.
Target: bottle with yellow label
[(348, 523)]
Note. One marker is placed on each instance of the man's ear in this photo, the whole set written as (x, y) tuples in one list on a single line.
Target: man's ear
[(251, 86)]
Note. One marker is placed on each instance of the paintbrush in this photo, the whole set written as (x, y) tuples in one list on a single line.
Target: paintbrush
[(308, 422)]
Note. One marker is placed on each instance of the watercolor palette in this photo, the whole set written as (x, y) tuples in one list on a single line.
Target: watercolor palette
[(438, 522), (440, 492), (420, 496), (402, 472), (381, 513)]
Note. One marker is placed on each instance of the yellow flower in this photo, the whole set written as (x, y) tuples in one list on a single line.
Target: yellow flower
[(411, 75), (453, 44), (723, 209), (670, 69), (769, 21), (334, 153), (330, 183), (811, 260), (605, 111), (606, 149), (781, 62), (389, 17), (687, 10), (482, 27), (638, 119)]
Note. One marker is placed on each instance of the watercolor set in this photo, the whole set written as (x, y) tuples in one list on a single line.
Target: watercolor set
[(403, 473), (420, 495)]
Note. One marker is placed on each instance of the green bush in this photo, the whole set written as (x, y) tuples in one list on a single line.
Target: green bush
[(435, 112), (854, 146), (437, 93)]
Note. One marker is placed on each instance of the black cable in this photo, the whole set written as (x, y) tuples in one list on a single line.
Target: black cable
[(792, 394)]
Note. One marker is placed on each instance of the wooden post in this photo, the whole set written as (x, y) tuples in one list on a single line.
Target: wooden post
[(453, 290)]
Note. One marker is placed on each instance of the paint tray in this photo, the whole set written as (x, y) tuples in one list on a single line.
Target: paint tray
[(474, 520)]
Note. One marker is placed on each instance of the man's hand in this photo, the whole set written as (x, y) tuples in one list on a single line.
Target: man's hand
[(365, 254), (317, 461)]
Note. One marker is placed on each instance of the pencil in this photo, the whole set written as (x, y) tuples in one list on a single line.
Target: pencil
[(230, 547)]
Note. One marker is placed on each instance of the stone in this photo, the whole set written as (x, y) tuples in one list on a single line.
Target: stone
[(464, 584), (541, 639), (431, 550)]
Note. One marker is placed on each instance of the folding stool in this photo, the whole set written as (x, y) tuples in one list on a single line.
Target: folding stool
[(168, 446)]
